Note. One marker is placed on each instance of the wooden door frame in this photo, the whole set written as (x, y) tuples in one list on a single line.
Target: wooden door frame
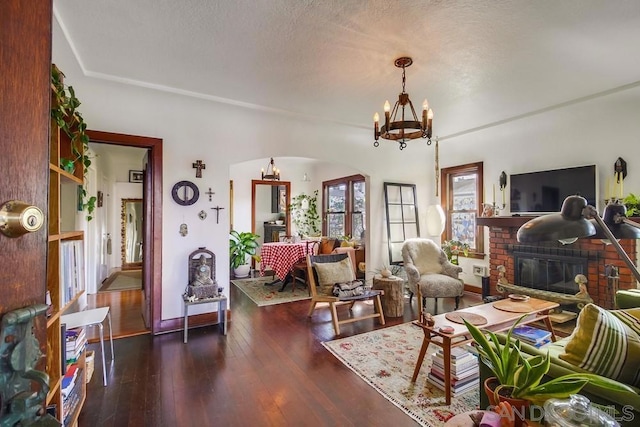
[(152, 265)]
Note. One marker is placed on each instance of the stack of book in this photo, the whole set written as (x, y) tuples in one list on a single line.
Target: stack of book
[(71, 391), (465, 372), (75, 341), (530, 335)]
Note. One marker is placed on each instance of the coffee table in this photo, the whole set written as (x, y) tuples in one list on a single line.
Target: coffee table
[(496, 320)]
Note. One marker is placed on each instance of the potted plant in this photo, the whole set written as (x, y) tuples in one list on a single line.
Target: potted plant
[(519, 376), (65, 114), (242, 247), (453, 248), (304, 211), (632, 203)]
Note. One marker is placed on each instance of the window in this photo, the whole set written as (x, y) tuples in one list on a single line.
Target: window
[(462, 201), (344, 207)]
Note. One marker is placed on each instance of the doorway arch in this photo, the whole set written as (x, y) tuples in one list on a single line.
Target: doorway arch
[(152, 258)]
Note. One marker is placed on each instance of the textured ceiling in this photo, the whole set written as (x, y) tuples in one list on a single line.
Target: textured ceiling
[(477, 61)]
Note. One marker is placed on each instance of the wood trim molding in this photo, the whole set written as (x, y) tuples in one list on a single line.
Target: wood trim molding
[(153, 193)]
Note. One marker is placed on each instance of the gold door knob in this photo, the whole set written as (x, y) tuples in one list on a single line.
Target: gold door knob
[(18, 218)]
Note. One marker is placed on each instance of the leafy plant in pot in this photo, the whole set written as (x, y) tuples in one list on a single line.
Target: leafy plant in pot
[(519, 376), (65, 115), (242, 248)]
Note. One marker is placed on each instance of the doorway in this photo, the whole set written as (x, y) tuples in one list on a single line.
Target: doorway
[(149, 301)]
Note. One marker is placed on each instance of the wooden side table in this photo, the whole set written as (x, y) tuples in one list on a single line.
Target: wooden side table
[(393, 298), (222, 312)]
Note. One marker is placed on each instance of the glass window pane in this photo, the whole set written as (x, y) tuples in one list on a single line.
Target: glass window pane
[(395, 213), (396, 233), (393, 194), (335, 227), (396, 252), (464, 192), (410, 231), (407, 195), (357, 226), (337, 200), (463, 227), (409, 213), (358, 196)]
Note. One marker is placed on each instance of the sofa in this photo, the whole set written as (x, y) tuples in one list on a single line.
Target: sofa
[(626, 403)]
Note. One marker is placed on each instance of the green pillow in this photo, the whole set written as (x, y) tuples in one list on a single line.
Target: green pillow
[(607, 343)]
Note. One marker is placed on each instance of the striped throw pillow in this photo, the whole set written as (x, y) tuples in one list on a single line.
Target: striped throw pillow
[(607, 343)]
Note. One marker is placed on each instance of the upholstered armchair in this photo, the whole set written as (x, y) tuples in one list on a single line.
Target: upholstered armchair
[(429, 273)]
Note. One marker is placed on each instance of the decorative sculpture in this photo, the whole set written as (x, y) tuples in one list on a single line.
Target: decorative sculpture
[(202, 282)]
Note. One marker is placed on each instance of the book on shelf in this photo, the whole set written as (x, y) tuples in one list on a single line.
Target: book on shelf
[(71, 270), (69, 379), (531, 335)]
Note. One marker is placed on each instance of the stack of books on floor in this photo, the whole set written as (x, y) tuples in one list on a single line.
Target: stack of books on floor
[(533, 336), (75, 341), (465, 372)]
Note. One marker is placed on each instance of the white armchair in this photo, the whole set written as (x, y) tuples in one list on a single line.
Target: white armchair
[(429, 273)]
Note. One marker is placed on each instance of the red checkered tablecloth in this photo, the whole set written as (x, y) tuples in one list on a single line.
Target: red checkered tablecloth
[(281, 256)]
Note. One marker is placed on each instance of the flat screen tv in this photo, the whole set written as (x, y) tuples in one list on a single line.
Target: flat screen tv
[(543, 192)]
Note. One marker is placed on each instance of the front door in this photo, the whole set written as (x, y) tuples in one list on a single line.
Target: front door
[(25, 67)]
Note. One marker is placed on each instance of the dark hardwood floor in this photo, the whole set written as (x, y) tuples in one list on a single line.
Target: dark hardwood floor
[(126, 313), (270, 370)]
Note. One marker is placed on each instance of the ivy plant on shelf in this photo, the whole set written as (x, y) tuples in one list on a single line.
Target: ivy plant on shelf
[(64, 112), (304, 214)]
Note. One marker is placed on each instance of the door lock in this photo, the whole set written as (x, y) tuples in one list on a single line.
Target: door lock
[(18, 218)]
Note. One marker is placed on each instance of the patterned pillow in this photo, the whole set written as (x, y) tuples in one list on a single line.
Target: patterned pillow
[(330, 273), (607, 343)]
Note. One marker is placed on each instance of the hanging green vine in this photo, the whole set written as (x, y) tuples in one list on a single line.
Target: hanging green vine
[(304, 211), (64, 112)]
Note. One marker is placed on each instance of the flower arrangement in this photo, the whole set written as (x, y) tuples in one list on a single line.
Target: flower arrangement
[(453, 248)]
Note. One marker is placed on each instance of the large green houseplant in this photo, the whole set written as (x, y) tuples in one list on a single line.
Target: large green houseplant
[(65, 114), (520, 375), (242, 247)]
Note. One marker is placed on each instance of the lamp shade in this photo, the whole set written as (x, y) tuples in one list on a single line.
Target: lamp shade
[(435, 220), (570, 223), (619, 229)]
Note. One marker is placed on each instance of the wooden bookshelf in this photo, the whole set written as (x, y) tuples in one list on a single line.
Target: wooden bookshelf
[(61, 228)]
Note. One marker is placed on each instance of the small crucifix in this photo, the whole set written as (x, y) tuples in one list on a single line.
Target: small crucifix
[(217, 208), (209, 193), (198, 166)]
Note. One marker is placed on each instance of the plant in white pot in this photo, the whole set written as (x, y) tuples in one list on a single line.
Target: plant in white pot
[(242, 248)]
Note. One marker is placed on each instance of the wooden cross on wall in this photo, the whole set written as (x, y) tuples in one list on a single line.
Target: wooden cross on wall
[(217, 209), (198, 166)]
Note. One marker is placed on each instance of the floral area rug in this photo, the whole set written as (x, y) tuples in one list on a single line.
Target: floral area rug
[(386, 358), (261, 294)]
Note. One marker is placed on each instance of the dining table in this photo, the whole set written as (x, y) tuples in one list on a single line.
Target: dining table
[(281, 257)]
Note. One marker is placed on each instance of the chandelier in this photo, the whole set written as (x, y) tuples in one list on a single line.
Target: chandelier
[(272, 171), (403, 130)]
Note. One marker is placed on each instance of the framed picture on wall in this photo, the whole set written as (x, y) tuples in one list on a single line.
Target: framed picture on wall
[(135, 176)]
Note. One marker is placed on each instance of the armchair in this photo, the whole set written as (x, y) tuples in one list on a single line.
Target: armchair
[(429, 273), (628, 298)]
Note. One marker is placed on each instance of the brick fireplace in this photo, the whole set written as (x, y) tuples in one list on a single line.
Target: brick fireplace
[(503, 247)]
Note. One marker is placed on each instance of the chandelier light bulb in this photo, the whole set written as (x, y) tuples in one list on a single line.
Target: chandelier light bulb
[(376, 118), (425, 105), (387, 106), (430, 114)]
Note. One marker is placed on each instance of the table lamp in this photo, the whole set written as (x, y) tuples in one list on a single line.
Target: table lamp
[(578, 219)]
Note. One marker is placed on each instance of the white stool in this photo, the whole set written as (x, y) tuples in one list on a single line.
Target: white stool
[(93, 317)]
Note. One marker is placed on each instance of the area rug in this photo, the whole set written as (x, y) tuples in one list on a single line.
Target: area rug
[(263, 295), (386, 358), (122, 281)]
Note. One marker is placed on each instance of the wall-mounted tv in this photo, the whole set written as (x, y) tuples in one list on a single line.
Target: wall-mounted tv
[(544, 191)]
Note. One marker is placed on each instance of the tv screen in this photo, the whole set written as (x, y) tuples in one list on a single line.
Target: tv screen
[(544, 191)]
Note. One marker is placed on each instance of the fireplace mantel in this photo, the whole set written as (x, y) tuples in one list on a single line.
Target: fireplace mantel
[(503, 221)]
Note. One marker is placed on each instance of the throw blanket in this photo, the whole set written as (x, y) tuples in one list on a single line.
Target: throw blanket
[(348, 289)]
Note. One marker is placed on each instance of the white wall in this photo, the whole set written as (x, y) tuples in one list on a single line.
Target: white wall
[(597, 131)]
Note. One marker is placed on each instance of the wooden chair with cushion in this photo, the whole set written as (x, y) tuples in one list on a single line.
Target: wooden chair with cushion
[(324, 271), (299, 269)]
